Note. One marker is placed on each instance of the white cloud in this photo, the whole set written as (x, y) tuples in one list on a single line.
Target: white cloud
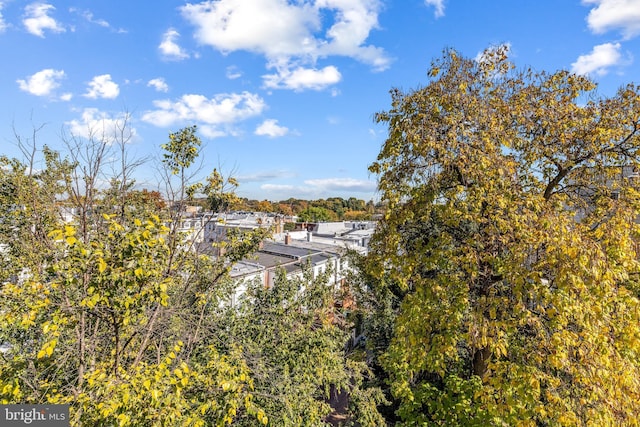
[(102, 87), (615, 14), (95, 124), (342, 184), (221, 110), (271, 129), (169, 48), (265, 176), (37, 19), (42, 83), (271, 27), (3, 24), (303, 78), (89, 17), (354, 20), (233, 73), (158, 84), (322, 187), (280, 188), (213, 132), (599, 60), (66, 96), (438, 5), (288, 33)]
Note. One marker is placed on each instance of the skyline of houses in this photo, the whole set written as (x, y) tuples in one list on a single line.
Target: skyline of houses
[(319, 246)]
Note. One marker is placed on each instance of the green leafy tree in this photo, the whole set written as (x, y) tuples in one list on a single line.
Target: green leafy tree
[(317, 214), (178, 158), (109, 312), (109, 330), (293, 340), (220, 192), (506, 263), (181, 150), (30, 206)]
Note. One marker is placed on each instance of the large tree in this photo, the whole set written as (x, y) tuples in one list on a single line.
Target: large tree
[(506, 264), (107, 311), (293, 341)]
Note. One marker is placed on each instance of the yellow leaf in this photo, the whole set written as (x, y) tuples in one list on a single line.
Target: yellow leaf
[(123, 419)]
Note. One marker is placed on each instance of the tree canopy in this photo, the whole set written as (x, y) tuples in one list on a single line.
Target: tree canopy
[(105, 306), (505, 271)]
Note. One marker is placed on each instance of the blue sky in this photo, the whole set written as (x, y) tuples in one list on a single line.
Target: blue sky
[(283, 92)]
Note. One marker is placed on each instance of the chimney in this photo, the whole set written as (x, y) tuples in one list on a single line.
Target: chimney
[(287, 239), (309, 236)]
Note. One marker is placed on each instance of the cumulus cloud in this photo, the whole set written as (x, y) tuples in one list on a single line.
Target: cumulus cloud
[(623, 15), (158, 84), (438, 5), (271, 129), (37, 19), (95, 124), (354, 20), (212, 115), (601, 58), (302, 78), (213, 132), (42, 83), (271, 27), (102, 87), (169, 48), (289, 33)]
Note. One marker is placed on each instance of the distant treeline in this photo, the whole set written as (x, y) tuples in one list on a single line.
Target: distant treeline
[(330, 209)]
